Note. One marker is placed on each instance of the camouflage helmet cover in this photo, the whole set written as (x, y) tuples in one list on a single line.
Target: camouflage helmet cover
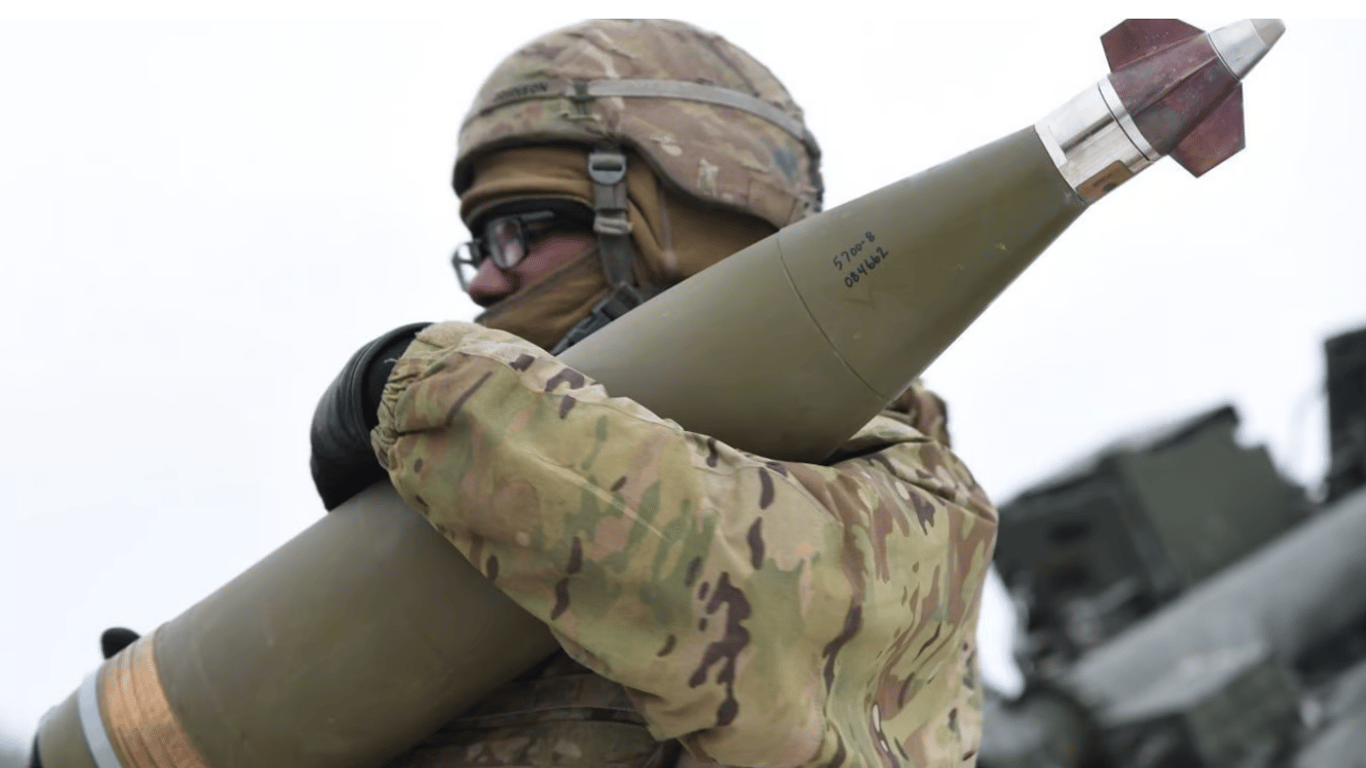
[(712, 121)]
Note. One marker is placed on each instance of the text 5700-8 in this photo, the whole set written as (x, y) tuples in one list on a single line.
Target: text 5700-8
[(861, 270), (845, 259)]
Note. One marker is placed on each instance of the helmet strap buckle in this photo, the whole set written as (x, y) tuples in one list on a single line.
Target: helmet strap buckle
[(611, 223), (613, 305), (607, 170)]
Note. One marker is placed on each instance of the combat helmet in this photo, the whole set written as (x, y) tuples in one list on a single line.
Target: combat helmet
[(712, 125)]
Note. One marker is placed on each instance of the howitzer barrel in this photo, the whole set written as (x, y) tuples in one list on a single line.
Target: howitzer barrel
[(1341, 746), (367, 631), (1291, 593)]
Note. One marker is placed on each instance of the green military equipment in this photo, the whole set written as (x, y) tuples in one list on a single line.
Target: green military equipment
[(1346, 357), (1123, 532), (345, 645), (1256, 654), (1044, 727), (1224, 709), (923, 256), (802, 322), (367, 631)]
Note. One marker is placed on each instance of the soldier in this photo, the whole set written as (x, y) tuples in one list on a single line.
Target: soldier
[(712, 605)]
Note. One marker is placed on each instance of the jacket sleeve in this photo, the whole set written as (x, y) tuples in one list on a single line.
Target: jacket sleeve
[(765, 613), (924, 410)]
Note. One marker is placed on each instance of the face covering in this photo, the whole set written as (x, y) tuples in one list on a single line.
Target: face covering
[(544, 311), (674, 235)]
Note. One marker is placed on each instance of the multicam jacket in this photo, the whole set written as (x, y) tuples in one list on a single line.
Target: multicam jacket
[(762, 613)]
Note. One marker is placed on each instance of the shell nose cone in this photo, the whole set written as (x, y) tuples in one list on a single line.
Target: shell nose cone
[(1270, 30), (1243, 43)]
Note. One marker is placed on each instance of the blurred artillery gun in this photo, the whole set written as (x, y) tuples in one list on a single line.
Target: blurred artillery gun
[(1188, 607)]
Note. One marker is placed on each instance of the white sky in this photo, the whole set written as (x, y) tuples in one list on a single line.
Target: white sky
[(200, 221)]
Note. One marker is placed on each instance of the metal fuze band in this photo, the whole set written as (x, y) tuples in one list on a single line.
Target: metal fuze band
[(92, 725), (126, 718)]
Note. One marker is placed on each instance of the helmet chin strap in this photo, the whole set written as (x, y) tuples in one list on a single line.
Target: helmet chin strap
[(607, 170)]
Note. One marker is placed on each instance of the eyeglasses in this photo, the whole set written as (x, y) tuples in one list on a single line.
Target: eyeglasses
[(507, 239)]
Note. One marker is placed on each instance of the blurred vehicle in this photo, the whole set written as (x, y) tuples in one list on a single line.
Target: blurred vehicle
[(1188, 606)]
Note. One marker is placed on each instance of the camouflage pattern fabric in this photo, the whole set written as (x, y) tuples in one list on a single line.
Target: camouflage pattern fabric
[(724, 156), (556, 714), (762, 613), (924, 410)]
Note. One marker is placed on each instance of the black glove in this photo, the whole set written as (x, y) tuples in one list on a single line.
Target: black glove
[(116, 639), (112, 641), (343, 463)]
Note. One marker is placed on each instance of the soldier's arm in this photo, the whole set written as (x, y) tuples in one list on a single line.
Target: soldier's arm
[(924, 410), (736, 597)]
